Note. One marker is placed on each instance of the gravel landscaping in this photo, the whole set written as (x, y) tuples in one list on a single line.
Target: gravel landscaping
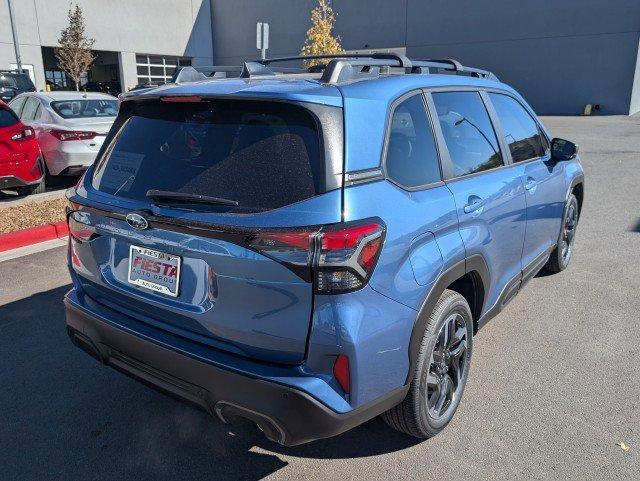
[(31, 214)]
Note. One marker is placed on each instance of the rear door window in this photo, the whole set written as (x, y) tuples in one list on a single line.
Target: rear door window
[(468, 132), (31, 109), (17, 104), (412, 159), (520, 130), (264, 155)]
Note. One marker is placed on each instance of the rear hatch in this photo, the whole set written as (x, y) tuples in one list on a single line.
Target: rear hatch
[(224, 269)]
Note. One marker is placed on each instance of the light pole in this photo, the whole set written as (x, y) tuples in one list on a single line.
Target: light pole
[(15, 37)]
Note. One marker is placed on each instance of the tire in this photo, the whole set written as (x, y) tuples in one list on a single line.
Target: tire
[(36, 188), (417, 415), (561, 255)]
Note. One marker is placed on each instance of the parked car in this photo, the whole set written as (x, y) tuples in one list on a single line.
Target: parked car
[(310, 251), (21, 165), (70, 126), (14, 83)]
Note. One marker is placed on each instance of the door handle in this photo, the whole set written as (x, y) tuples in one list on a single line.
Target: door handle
[(475, 205), (530, 184)]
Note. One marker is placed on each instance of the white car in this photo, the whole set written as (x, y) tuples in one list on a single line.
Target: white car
[(70, 126)]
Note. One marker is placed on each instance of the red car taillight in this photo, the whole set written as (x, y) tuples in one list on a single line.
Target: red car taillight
[(341, 258), (25, 134), (64, 135)]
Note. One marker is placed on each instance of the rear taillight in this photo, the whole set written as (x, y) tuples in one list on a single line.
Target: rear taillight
[(65, 135), (25, 134), (80, 226), (347, 257), (338, 258)]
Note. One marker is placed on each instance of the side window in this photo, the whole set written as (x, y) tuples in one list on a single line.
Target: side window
[(468, 133), (412, 159), (520, 130), (17, 104), (30, 109)]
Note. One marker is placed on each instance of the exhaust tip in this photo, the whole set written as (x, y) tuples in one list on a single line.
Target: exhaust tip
[(228, 413), (83, 342)]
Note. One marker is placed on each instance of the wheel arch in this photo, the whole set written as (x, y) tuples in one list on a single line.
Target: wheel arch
[(470, 278), (576, 187)]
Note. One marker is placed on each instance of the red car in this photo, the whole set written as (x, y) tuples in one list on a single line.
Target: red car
[(21, 164)]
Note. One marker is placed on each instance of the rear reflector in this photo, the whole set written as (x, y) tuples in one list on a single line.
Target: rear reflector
[(341, 372)]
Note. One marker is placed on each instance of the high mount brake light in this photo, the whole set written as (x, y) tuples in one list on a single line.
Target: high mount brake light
[(182, 99), (341, 257), (65, 135)]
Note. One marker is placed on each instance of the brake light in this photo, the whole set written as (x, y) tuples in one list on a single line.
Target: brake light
[(340, 258), (80, 226), (182, 99), (65, 135), (288, 246), (25, 134)]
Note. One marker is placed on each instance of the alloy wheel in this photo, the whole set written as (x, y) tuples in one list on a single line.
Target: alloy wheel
[(569, 232), (447, 366)]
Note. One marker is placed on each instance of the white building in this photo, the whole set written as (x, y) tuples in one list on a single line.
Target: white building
[(136, 41)]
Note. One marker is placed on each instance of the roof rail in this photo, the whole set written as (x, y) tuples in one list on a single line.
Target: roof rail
[(246, 70), (340, 68), (346, 66)]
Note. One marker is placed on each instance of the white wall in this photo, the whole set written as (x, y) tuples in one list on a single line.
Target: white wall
[(164, 27)]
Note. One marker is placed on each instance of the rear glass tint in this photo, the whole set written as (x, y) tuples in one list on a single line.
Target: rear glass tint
[(264, 155), (7, 118), (75, 109)]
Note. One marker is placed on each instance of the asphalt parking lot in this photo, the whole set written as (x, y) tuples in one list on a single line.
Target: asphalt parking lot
[(554, 383)]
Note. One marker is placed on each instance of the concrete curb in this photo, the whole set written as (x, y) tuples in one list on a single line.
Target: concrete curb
[(33, 235)]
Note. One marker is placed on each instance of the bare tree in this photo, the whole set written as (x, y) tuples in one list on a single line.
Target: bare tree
[(320, 39), (74, 53)]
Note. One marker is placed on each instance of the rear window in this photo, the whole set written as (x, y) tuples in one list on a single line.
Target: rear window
[(85, 108), (21, 82), (7, 118), (264, 155)]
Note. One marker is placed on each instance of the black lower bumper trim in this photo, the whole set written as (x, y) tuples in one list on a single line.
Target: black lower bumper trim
[(286, 415), (11, 182)]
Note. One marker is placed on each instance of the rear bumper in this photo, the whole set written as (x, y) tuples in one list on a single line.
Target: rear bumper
[(12, 181), (284, 413), (69, 160)]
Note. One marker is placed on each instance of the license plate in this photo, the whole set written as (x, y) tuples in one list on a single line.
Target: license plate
[(154, 270)]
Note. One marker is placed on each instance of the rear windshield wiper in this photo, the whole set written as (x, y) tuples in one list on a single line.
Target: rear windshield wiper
[(183, 198)]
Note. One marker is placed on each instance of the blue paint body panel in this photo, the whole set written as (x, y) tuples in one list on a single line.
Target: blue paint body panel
[(253, 315)]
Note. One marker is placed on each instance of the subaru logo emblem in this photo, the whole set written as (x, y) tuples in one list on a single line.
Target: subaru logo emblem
[(137, 221)]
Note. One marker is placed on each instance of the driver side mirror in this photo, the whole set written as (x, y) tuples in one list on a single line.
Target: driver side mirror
[(563, 150)]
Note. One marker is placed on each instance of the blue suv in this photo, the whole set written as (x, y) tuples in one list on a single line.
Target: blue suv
[(310, 248)]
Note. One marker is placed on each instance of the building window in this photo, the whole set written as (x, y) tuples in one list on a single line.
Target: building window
[(158, 69), (59, 80)]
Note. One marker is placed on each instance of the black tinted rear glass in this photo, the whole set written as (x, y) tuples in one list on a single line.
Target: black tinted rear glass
[(7, 118), (264, 155)]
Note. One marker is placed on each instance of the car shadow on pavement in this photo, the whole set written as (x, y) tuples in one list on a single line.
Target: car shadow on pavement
[(72, 418)]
